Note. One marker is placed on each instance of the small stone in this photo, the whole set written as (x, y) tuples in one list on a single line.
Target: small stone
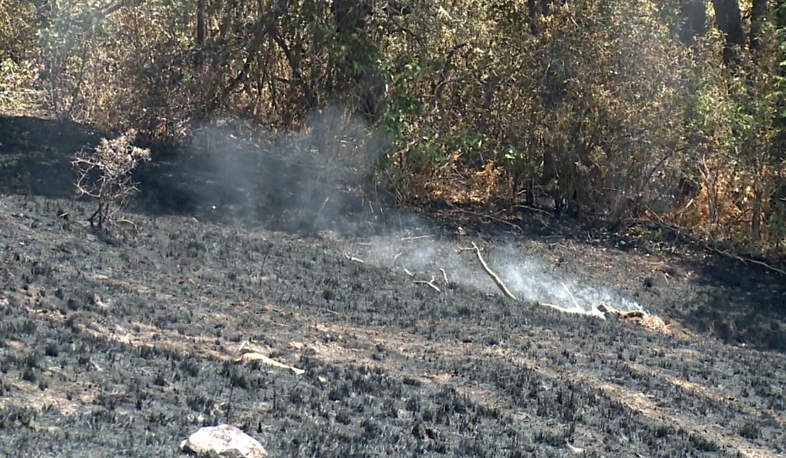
[(224, 441)]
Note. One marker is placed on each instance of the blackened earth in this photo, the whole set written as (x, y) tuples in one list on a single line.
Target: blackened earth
[(122, 344)]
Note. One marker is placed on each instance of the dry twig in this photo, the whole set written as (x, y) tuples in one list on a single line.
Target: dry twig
[(408, 239), (494, 218), (686, 232), (444, 276), (129, 223), (352, 258), (491, 273), (603, 307), (428, 283), (319, 213), (532, 209)]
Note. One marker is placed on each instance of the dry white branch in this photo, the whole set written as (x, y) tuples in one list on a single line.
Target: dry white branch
[(319, 213), (419, 237), (607, 308), (444, 277), (352, 258), (491, 273), (428, 283), (255, 354), (268, 361)]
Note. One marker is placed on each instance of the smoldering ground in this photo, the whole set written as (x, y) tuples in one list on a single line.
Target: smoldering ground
[(315, 182), (123, 345)]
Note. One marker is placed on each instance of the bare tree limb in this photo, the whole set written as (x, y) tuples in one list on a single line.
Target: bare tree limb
[(491, 273), (429, 284)]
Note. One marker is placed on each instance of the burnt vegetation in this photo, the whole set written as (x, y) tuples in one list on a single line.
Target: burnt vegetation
[(133, 354), (243, 169)]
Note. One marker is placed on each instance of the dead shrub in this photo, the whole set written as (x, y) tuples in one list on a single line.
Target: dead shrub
[(104, 175)]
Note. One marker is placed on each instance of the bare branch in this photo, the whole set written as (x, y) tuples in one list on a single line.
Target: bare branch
[(491, 273), (429, 284)]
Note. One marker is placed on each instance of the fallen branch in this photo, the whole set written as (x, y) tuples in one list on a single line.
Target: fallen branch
[(419, 237), (491, 273), (352, 258), (267, 361), (688, 233), (253, 354), (444, 276), (606, 308), (532, 209), (494, 218), (428, 283), (749, 260)]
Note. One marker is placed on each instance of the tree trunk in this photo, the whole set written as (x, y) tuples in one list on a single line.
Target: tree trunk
[(200, 26), (350, 15), (728, 20), (200, 32), (694, 19), (758, 10), (533, 16), (780, 13), (545, 6)]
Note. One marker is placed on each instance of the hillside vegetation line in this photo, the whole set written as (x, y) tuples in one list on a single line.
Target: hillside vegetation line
[(666, 111)]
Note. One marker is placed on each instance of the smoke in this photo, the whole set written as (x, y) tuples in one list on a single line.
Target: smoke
[(532, 281), (313, 182), (302, 182), (425, 257)]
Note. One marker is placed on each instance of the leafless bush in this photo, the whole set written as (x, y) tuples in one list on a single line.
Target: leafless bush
[(104, 174)]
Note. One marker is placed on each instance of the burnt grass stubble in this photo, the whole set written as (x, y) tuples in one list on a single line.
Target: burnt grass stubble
[(123, 344)]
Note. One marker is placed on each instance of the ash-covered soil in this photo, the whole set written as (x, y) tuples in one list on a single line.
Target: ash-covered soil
[(123, 344)]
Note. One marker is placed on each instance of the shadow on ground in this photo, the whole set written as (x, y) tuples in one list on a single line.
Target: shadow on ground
[(35, 155)]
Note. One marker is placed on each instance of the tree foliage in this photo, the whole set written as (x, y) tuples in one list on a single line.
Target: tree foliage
[(669, 110)]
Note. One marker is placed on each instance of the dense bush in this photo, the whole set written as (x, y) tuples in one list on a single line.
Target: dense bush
[(618, 108)]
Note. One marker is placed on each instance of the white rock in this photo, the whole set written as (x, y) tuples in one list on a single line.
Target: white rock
[(223, 441)]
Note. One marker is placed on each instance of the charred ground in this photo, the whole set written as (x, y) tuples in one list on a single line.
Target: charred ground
[(123, 344)]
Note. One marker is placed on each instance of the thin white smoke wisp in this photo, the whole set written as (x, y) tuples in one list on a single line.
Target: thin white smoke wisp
[(531, 281), (525, 276)]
